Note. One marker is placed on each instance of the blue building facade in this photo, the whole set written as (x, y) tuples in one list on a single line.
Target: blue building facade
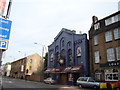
[(68, 57)]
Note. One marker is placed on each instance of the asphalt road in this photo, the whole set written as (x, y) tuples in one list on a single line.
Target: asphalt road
[(19, 84)]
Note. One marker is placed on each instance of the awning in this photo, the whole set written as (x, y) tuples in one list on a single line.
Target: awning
[(50, 70), (76, 69), (66, 70)]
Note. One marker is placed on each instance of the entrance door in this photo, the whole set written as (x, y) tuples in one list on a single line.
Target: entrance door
[(63, 79)]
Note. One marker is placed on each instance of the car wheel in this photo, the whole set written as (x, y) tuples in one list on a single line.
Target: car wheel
[(95, 87), (80, 86), (117, 88)]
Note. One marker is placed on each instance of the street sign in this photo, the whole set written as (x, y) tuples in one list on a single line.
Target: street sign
[(5, 26), (3, 44)]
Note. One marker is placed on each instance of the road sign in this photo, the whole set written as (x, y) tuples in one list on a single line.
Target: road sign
[(5, 26), (3, 44)]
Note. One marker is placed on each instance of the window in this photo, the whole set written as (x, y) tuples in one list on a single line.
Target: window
[(97, 57), (30, 60), (96, 26), (108, 36), (98, 76), (110, 75), (78, 51), (95, 40), (118, 52), (51, 57), (110, 54), (117, 33), (111, 20)]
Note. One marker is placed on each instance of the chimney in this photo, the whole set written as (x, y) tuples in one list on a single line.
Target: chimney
[(94, 19)]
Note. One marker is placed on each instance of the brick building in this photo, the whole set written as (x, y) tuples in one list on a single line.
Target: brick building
[(18, 68), (29, 68), (68, 57), (104, 44)]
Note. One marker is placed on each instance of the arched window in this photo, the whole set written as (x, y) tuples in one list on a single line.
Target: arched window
[(78, 51), (70, 57)]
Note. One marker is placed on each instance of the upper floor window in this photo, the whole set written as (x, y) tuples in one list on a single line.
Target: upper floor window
[(30, 60), (110, 54), (118, 52), (69, 44), (96, 26), (97, 57), (108, 36), (111, 20), (51, 57), (117, 33), (95, 40)]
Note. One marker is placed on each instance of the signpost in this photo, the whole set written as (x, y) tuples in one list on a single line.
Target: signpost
[(5, 26)]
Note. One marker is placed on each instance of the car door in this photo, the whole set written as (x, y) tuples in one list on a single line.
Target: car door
[(90, 82)]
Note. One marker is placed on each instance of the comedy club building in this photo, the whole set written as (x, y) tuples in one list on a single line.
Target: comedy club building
[(68, 57)]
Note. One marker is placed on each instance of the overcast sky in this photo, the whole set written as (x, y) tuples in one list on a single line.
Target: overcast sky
[(41, 20)]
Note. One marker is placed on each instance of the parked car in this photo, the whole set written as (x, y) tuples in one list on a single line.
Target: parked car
[(117, 85), (50, 80), (87, 82)]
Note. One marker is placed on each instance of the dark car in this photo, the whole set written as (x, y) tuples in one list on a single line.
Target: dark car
[(50, 80), (117, 85), (87, 82)]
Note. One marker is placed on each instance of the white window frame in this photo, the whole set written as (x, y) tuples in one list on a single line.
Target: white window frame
[(111, 20), (97, 56), (117, 33), (107, 74), (96, 26), (108, 36), (110, 54), (118, 52), (96, 40)]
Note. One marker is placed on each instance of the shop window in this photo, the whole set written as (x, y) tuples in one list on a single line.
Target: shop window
[(112, 75), (98, 76)]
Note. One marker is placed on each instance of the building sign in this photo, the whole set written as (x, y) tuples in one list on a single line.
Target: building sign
[(3, 44), (109, 64), (5, 26)]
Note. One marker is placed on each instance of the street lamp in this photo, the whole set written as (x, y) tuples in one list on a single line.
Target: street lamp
[(44, 49)]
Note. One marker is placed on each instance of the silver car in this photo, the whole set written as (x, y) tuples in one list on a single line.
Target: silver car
[(87, 82), (50, 80)]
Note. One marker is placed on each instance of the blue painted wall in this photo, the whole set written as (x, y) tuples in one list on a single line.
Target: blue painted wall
[(69, 40)]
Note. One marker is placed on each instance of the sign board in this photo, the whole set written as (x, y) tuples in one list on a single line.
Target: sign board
[(3, 44), (5, 26)]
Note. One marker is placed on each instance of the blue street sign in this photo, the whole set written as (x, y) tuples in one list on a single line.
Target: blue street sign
[(5, 26), (3, 44)]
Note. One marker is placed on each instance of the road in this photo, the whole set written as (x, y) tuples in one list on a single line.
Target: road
[(19, 84)]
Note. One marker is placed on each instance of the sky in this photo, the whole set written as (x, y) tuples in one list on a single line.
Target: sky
[(39, 21)]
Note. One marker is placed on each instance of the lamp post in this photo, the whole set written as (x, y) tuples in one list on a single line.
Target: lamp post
[(44, 49)]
